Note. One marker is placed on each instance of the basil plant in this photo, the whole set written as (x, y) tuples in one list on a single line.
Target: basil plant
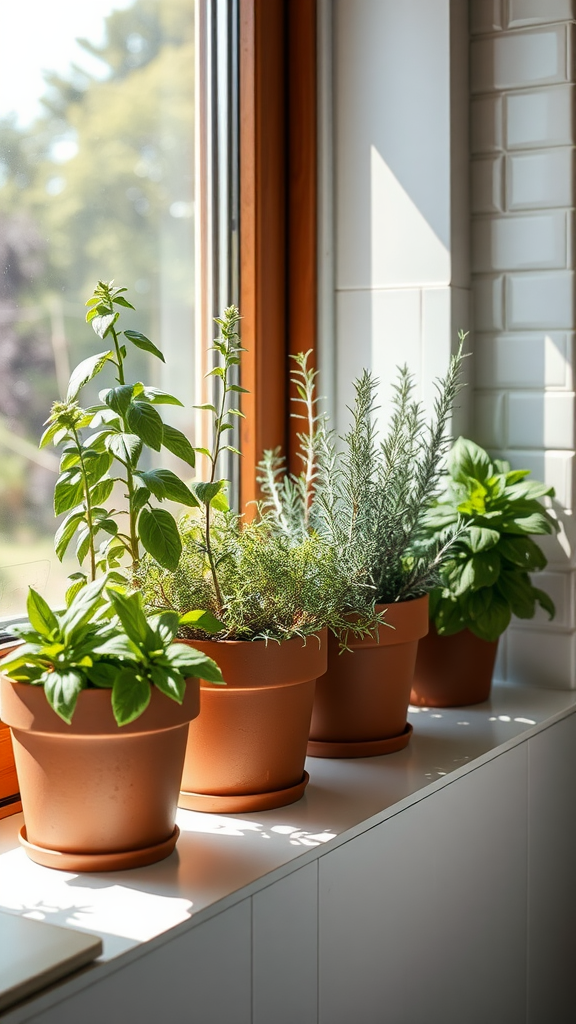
[(105, 639), (486, 578), (102, 446)]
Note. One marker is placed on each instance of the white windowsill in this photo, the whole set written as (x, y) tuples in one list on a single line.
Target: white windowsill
[(221, 860)]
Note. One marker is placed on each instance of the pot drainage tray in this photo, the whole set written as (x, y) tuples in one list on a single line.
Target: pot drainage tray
[(360, 748), (215, 804), (98, 861)]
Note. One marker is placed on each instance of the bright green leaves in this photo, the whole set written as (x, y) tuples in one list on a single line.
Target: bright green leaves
[(104, 639), (165, 484), (160, 537), (143, 420), (85, 371), (177, 443), (486, 579), (144, 343)]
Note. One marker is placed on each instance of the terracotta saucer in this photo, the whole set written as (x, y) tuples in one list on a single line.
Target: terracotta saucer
[(214, 804), (98, 861), (360, 748)]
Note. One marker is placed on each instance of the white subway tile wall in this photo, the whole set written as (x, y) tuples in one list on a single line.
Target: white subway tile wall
[(523, 197)]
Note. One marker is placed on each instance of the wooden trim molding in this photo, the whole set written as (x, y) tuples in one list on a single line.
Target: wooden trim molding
[(277, 215)]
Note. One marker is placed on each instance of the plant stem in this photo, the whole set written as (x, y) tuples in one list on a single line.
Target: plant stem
[(89, 519), (214, 460), (133, 516)]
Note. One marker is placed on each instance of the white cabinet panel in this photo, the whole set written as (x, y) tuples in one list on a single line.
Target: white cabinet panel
[(285, 950), (423, 918), (200, 978), (552, 874)]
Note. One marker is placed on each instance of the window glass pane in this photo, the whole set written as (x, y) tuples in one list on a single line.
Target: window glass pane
[(96, 182)]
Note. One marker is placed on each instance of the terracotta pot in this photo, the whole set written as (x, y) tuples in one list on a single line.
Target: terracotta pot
[(246, 751), (453, 671), (10, 802), (97, 797), (361, 703)]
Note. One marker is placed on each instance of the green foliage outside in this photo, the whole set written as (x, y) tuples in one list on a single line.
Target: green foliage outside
[(64, 224), (486, 577)]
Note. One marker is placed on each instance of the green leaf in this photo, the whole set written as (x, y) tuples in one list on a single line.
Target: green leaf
[(169, 682), (102, 324), (467, 460), (102, 491), (82, 609), (537, 522), (481, 570), (144, 421), (41, 616), (126, 447), (207, 407), (118, 399), (479, 538), (528, 490), (236, 387), (230, 448), (140, 497), (516, 589), (49, 434), (62, 689), (165, 484), (119, 646), (159, 535), (129, 610), (522, 551), (177, 443), (494, 621), (144, 343), (68, 492), (119, 300), (165, 625), (130, 696), (96, 464), (206, 492), (545, 601), (157, 397), (66, 531), (84, 372), (102, 674), (202, 620), (191, 662), (74, 589)]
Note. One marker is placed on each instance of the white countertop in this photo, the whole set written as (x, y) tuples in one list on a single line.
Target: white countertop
[(221, 859)]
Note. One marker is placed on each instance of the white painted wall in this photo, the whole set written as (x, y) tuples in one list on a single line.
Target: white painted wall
[(400, 189), (522, 175)]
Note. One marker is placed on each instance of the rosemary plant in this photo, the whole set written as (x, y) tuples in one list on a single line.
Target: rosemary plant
[(367, 500)]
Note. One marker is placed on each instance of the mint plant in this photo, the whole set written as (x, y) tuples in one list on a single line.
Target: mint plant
[(485, 579), (103, 445), (105, 639)]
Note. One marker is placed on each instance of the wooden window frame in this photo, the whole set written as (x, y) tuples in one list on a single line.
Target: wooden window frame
[(278, 215)]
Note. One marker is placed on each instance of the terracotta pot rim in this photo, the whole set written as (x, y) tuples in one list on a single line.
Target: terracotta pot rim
[(412, 624)]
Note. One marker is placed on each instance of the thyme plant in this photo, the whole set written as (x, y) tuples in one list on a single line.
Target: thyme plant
[(103, 446), (368, 498)]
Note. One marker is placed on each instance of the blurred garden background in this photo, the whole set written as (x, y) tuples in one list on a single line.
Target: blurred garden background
[(96, 182)]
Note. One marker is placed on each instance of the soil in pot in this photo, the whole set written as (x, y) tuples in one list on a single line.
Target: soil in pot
[(246, 751), (453, 671), (362, 701), (97, 797)]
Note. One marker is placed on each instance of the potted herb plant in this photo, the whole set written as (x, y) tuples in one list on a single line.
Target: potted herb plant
[(486, 578), (274, 598), (99, 698), (368, 502)]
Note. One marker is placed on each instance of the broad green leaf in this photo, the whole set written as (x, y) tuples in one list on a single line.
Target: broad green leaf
[(191, 662), (479, 602), (480, 538), (96, 465), (129, 610), (102, 491), (144, 343), (522, 551), (68, 492), (165, 484), (545, 601), (83, 544), (119, 300), (160, 537), (236, 387), (448, 617), (62, 689), (201, 620), (82, 609), (144, 421), (126, 447), (528, 489), (516, 589), (118, 399), (66, 531), (157, 397), (119, 646), (130, 696), (207, 407), (75, 589), (85, 371), (467, 460), (165, 625), (206, 492), (514, 476), (536, 522), (493, 622), (41, 616), (177, 443), (169, 682), (102, 324), (102, 674), (49, 434), (479, 571)]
